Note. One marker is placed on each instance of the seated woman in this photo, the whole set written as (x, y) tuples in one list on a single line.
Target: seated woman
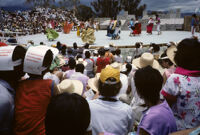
[(182, 89), (158, 119), (108, 114)]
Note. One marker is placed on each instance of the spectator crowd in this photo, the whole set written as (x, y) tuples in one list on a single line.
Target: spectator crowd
[(83, 91)]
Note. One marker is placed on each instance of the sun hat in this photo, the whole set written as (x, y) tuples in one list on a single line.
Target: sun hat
[(34, 59), (81, 61), (145, 60), (171, 53), (116, 65), (6, 53), (93, 83), (106, 48), (71, 86), (109, 72)]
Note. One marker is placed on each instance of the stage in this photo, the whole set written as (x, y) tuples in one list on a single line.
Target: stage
[(102, 39)]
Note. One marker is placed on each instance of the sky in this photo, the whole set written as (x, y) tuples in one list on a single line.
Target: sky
[(184, 5)]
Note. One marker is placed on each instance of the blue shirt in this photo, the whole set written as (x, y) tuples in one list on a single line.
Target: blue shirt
[(131, 23), (194, 22), (7, 95)]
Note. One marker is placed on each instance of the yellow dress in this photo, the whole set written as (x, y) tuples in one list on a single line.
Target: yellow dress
[(78, 31)]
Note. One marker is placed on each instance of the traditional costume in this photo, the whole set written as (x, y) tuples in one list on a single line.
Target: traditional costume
[(51, 34), (87, 36), (150, 26), (158, 25)]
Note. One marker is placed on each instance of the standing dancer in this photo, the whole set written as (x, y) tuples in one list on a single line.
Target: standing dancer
[(194, 24), (150, 26), (158, 24), (131, 26)]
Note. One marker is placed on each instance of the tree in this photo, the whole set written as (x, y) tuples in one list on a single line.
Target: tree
[(84, 12), (106, 8), (133, 7)]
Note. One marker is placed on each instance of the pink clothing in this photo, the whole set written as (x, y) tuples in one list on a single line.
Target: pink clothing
[(183, 87), (169, 71)]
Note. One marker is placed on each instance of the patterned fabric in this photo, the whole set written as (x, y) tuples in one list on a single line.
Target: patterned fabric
[(185, 88)]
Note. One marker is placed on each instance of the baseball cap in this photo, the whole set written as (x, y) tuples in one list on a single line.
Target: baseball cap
[(109, 72)]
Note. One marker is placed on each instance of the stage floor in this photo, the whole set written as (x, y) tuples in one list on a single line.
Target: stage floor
[(102, 39)]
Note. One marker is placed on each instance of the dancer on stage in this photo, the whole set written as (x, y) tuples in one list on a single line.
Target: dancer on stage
[(117, 30), (88, 36), (150, 26), (51, 34), (158, 24), (194, 24), (131, 26)]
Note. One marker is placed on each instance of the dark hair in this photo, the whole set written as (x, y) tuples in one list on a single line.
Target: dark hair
[(63, 50), (72, 63), (118, 51), (167, 60), (86, 46), (67, 114), (187, 55), (101, 51), (69, 50), (109, 90), (80, 68), (58, 45), (75, 45), (194, 15), (78, 56), (87, 54), (148, 82), (137, 45), (13, 76), (156, 48)]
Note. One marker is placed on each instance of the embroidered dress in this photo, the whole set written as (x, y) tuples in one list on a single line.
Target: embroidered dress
[(184, 87)]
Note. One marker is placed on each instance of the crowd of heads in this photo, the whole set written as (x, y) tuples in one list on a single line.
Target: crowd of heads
[(35, 21), (146, 71)]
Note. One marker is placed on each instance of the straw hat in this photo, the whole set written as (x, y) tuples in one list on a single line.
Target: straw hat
[(70, 86), (171, 53), (116, 65), (93, 82), (81, 61), (145, 60)]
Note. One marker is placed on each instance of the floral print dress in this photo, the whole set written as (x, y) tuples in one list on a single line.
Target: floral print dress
[(184, 87)]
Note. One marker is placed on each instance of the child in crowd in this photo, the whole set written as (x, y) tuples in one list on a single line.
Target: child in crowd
[(182, 88), (158, 119)]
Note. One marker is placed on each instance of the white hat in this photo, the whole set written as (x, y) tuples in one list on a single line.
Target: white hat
[(145, 60), (6, 53), (106, 47), (117, 65), (33, 61), (81, 61), (93, 83), (71, 86), (54, 50)]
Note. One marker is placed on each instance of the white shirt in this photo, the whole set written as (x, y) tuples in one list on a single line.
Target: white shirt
[(113, 117), (53, 77)]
